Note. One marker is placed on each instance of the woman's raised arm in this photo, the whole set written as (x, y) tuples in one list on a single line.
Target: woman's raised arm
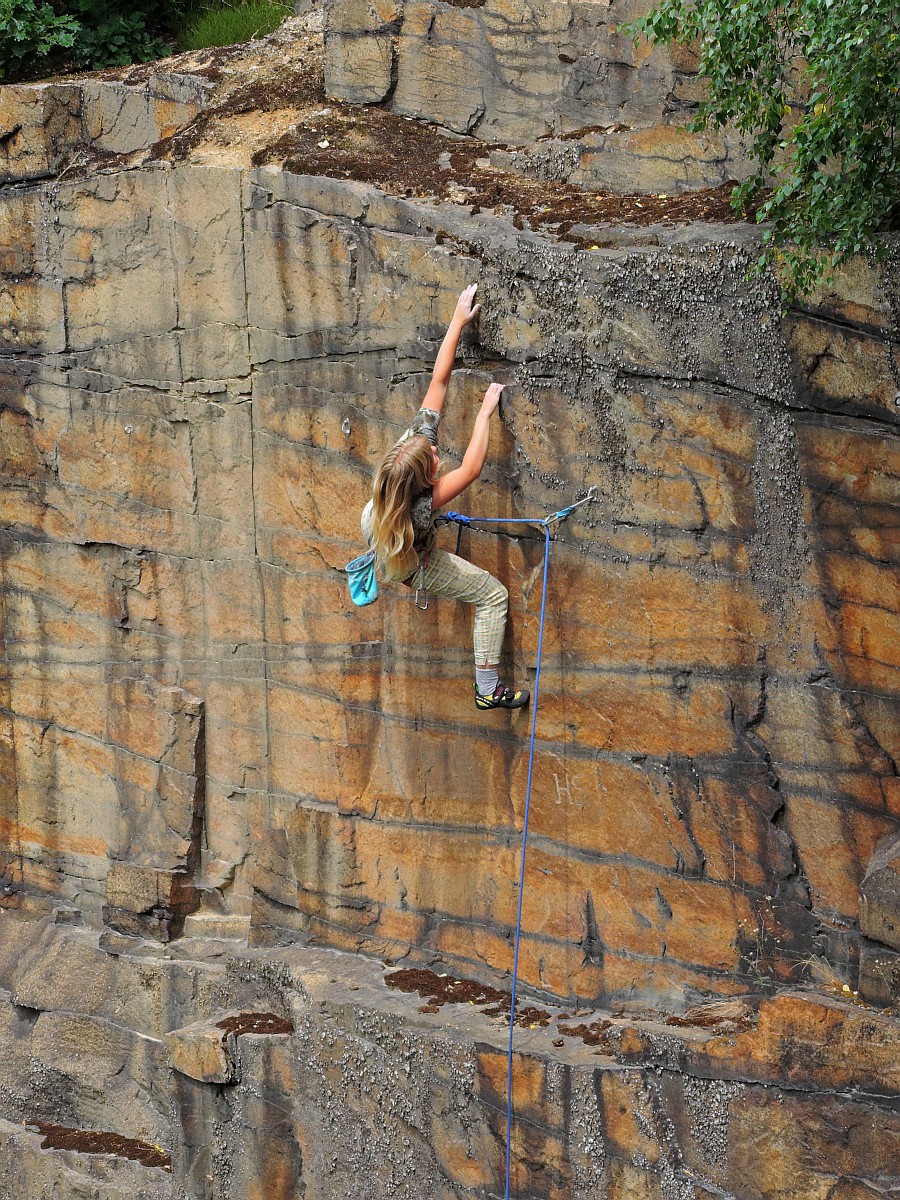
[(449, 486), (466, 311)]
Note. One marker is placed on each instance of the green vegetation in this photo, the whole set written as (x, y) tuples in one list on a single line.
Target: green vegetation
[(224, 25), (45, 37), (31, 33), (814, 88), (113, 35)]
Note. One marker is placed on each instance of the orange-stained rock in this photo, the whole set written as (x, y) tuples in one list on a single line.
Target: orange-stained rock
[(805, 1146), (40, 123), (204, 360), (204, 1052), (800, 1039), (714, 750), (624, 1099)]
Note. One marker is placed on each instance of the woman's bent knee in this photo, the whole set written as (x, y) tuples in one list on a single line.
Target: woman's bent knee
[(500, 596)]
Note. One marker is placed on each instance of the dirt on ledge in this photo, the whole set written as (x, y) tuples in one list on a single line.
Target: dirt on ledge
[(269, 107), (95, 1141), (255, 1022)]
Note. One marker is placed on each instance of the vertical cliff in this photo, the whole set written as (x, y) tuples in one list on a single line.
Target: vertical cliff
[(212, 330)]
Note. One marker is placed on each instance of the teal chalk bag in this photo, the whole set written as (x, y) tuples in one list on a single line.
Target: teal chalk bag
[(361, 578)]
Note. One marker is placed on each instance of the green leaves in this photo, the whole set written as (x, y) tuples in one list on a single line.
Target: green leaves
[(113, 34), (814, 88), (29, 31), (41, 36)]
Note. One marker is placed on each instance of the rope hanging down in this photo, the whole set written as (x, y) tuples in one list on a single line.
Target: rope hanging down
[(546, 524)]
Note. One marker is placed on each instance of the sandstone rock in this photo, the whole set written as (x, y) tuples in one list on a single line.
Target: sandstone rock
[(204, 361), (879, 892), (464, 67), (364, 1069), (204, 1052), (120, 118), (359, 56), (65, 970), (261, 1147), (148, 901), (43, 126), (29, 1170), (719, 682), (39, 125), (879, 975), (63, 914), (437, 48), (31, 316), (800, 1039), (94, 1074)]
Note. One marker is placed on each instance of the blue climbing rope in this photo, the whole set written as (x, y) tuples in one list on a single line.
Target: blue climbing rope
[(545, 523)]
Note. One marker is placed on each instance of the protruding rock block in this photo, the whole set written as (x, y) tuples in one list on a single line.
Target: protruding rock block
[(207, 1050), (204, 1052), (522, 71), (120, 118), (879, 975), (359, 57), (148, 901), (39, 125), (444, 66), (879, 894)]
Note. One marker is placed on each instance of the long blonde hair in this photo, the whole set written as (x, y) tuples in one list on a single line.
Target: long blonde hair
[(405, 472)]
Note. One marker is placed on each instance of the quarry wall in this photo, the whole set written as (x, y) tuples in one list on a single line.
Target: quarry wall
[(206, 365), (224, 789), (561, 81)]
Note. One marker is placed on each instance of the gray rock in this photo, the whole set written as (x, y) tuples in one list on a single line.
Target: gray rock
[(879, 894)]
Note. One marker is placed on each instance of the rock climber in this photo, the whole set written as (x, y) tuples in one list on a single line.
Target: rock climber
[(399, 520)]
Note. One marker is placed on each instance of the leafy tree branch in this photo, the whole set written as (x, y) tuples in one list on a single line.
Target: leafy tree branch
[(813, 87)]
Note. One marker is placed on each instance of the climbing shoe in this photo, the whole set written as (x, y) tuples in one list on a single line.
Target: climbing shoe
[(503, 697)]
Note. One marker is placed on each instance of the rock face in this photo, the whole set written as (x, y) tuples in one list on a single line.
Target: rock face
[(40, 124), (200, 363), (190, 689), (879, 916), (369, 1093), (560, 79)]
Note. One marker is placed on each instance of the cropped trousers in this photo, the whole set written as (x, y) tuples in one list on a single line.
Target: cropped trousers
[(454, 577)]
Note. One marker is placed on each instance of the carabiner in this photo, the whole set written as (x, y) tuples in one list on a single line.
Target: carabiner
[(421, 607)]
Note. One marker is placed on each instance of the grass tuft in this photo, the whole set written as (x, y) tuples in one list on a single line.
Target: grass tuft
[(238, 21)]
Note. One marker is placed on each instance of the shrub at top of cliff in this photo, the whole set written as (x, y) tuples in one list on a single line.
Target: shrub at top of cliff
[(30, 32), (833, 153), (38, 38)]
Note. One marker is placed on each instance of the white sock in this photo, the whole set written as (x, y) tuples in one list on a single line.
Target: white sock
[(486, 680)]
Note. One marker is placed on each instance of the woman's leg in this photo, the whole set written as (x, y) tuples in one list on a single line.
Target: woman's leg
[(454, 577), (457, 579)]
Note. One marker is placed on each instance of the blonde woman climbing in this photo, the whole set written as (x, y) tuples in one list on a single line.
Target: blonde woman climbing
[(399, 520)]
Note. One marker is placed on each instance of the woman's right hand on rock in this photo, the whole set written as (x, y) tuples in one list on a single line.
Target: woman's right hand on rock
[(492, 398), (466, 308)]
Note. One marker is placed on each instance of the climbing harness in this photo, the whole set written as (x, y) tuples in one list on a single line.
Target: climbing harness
[(546, 523)]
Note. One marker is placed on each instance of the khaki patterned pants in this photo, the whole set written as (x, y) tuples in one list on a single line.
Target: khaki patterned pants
[(453, 577)]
